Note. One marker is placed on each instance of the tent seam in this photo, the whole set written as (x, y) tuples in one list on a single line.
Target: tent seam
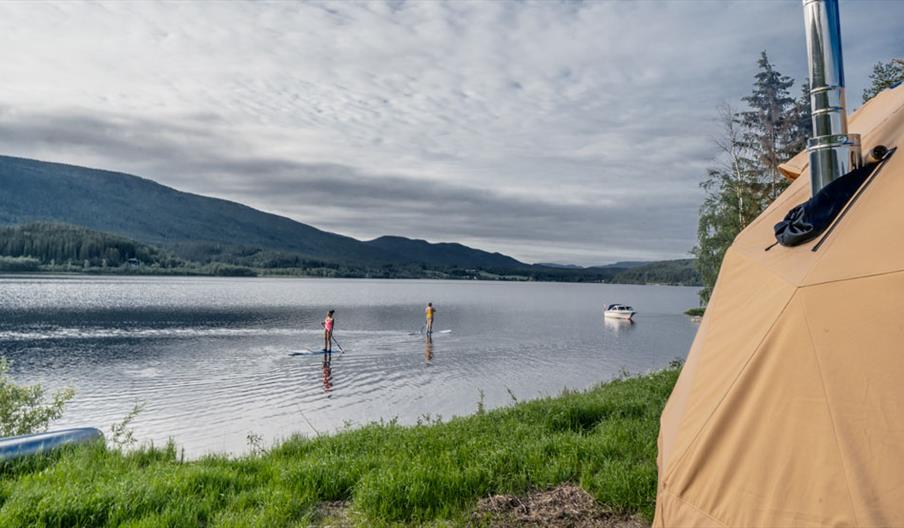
[(820, 254), (696, 508), (731, 387), (856, 277), (754, 262), (822, 381)]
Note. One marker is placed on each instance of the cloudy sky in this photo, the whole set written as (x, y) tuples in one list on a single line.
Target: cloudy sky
[(551, 131)]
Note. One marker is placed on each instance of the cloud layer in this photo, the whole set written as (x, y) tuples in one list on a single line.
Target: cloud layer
[(550, 131)]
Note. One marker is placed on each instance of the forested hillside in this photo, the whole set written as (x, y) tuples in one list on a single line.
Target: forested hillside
[(445, 254), (143, 210), (69, 217), (62, 247), (682, 272), (60, 243)]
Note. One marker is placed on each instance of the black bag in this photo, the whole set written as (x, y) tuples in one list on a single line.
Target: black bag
[(809, 219)]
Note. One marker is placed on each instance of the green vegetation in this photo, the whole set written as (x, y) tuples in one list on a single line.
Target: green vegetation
[(25, 409), (19, 264), (52, 244), (432, 473), (202, 229), (66, 248), (677, 272), (165, 231), (695, 312), (745, 178), (884, 76)]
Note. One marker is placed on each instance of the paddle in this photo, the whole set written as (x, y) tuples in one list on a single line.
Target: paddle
[(337, 344)]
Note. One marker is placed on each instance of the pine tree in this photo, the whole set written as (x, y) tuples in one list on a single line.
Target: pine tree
[(885, 75), (770, 125)]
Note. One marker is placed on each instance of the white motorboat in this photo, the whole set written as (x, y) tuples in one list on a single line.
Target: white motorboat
[(619, 311)]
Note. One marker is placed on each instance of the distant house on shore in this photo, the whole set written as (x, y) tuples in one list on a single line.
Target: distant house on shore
[(133, 263)]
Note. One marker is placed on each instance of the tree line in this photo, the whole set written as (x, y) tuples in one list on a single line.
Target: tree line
[(64, 247), (751, 143), (58, 244)]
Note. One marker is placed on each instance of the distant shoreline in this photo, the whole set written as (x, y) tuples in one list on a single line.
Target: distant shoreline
[(270, 275)]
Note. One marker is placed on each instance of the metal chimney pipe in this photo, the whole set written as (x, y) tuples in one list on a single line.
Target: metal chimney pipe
[(832, 151)]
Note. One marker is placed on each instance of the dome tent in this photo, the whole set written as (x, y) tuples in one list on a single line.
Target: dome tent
[(790, 408)]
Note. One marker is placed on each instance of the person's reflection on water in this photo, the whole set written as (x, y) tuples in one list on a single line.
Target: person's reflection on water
[(428, 349), (328, 374)]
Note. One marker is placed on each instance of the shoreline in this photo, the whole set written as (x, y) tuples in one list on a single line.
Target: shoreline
[(602, 439), (126, 273)]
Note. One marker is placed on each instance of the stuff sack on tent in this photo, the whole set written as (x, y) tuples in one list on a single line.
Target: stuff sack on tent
[(809, 219)]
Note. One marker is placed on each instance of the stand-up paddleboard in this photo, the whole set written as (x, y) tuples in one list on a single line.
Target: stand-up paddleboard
[(307, 352), (26, 445), (434, 333)]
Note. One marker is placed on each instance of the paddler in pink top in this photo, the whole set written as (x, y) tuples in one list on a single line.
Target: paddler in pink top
[(327, 324)]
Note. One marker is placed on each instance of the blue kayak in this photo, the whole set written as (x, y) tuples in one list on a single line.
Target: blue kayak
[(13, 447)]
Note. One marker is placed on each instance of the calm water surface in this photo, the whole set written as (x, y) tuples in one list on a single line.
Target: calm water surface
[(211, 357)]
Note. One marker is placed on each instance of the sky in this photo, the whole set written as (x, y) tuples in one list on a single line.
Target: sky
[(554, 131)]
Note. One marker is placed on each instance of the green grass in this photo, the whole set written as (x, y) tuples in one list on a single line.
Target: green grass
[(434, 473)]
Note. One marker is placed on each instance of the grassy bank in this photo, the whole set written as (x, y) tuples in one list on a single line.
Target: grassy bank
[(603, 439)]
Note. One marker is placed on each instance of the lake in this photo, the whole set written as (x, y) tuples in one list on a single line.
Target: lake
[(210, 357)]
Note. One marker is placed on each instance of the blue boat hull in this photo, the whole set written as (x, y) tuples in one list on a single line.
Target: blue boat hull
[(13, 447)]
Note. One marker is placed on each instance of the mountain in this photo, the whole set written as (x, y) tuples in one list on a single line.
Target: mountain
[(622, 264), (627, 264), (190, 224), (681, 272), (183, 232), (556, 265), (444, 254)]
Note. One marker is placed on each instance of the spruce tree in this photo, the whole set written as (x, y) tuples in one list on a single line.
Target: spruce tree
[(802, 116), (745, 178), (770, 125)]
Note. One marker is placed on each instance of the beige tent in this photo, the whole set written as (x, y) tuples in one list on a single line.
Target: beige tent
[(790, 408)]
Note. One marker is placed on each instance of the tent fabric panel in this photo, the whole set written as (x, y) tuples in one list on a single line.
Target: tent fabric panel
[(881, 121), (791, 264), (873, 224), (866, 240), (769, 455), (743, 308), (676, 406), (790, 409), (876, 112), (858, 330)]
